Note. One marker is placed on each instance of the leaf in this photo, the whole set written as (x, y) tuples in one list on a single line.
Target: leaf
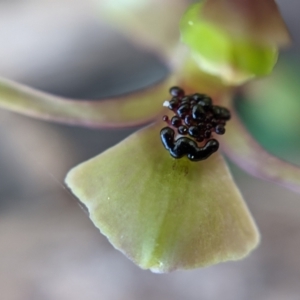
[(244, 151), (164, 214), (128, 110)]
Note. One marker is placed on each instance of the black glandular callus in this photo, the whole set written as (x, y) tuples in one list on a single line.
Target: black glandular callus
[(185, 146), (198, 112), (221, 112), (183, 110)]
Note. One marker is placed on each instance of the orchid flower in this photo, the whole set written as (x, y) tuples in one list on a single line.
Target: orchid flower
[(162, 212)]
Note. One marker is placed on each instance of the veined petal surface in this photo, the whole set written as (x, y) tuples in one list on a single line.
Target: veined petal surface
[(132, 109), (244, 151), (164, 214)]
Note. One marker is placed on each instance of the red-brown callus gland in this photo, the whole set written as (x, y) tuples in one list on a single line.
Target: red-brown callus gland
[(205, 102), (176, 91), (198, 112), (208, 118), (176, 121), (174, 103), (208, 126), (225, 114), (198, 96), (165, 118), (185, 100), (220, 129), (193, 102), (182, 130), (207, 134), (183, 110), (201, 126), (194, 131), (220, 112), (188, 120), (200, 138), (214, 122)]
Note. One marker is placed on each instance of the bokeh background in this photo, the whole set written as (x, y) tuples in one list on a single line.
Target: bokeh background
[(49, 250)]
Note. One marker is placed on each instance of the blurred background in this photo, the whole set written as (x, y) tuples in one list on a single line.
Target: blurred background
[(49, 249)]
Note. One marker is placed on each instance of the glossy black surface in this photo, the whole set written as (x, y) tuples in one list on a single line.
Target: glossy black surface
[(196, 116), (221, 112), (176, 91), (186, 146), (206, 102), (183, 110), (182, 130), (176, 121), (198, 112), (194, 131), (220, 129)]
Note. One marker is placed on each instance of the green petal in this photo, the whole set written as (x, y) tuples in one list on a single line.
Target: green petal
[(132, 109), (243, 150), (260, 20), (164, 214), (149, 23), (234, 58)]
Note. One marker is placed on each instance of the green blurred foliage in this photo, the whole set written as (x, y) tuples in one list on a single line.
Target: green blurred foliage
[(270, 108)]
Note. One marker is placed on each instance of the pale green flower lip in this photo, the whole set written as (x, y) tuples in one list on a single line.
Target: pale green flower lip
[(164, 213)]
